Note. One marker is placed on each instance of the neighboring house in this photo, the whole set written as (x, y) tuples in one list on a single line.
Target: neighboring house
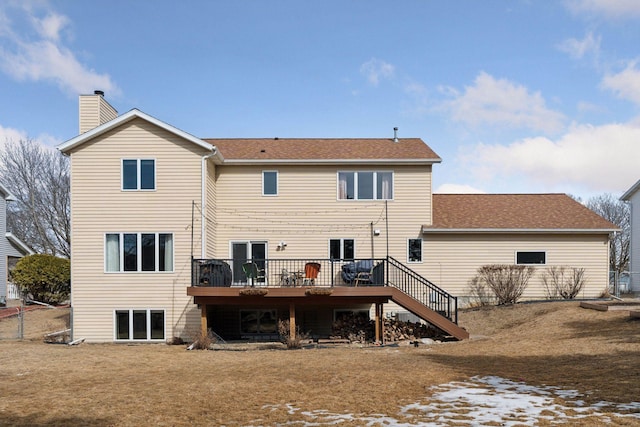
[(11, 249), (632, 196), (163, 221)]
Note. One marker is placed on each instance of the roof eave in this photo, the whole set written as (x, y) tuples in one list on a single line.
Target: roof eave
[(19, 243), (430, 230), (424, 162), (69, 145), (630, 192)]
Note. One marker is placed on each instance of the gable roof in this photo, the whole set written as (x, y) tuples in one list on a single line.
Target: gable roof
[(630, 192), (6, 194), (67, 146), (19, 244), (534, 213), (325, 150)]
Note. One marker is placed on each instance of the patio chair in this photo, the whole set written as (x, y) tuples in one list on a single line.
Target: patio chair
[(252, 272), (311, 270), (286, 278), (364, 277)]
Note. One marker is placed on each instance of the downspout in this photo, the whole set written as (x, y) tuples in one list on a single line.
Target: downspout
[(203, 204)]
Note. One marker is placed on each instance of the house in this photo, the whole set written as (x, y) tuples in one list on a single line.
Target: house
[(632, 196), (172, 234), (11, 250)]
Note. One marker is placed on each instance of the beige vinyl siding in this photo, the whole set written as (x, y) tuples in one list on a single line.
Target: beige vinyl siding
[(211, 217), (306, 212), (99, 206), (94, 111), (450, 261)]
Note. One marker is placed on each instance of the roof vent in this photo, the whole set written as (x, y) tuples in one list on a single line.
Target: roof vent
[(395, 135), (98, 92)]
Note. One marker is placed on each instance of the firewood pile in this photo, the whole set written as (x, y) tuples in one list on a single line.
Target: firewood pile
[(359, 329)]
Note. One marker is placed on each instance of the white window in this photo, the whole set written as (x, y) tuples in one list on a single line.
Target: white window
[(139, 325), (342, 249), (138, 174), (269, 183), (365, 185), (414, 250), (531, 257), (152, 252)]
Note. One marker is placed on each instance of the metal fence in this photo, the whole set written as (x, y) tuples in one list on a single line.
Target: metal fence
[(33, 322)]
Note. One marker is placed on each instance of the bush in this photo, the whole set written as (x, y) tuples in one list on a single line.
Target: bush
[(507, 282), (285, 337), (563, 282), (479, 293), (45, 277)]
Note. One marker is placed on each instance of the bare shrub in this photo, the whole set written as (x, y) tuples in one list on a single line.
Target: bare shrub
[(286, 338), (479, 292), (202, 340), (563, 282), (507, 282)]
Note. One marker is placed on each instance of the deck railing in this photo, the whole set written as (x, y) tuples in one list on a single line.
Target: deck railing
[(422, 290), (332, 272), (287, 272)]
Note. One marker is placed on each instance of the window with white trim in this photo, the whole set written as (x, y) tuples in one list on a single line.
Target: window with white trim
[(139, 325), (531, 257), (138, 174), (414, 250), (342, 249), (269, 183), (365, 185), (147, 252)]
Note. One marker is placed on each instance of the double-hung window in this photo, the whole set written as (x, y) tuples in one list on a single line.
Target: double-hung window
[(365, 185), (138, 174), (342, 249), (149, 252)]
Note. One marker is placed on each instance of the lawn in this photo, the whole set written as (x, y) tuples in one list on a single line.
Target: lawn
[(579, 366)]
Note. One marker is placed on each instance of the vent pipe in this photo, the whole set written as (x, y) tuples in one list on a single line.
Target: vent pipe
[(395, 135)]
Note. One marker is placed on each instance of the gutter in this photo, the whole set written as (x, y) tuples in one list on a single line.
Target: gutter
[(428, 230), (203, 202)]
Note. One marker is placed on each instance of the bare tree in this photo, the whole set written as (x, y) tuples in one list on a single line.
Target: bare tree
[(618, 212), (38, 176)]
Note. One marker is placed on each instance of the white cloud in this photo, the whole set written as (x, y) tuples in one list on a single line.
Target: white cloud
[(503, 103), (39, 54), (602, 158), (607, 8), (375, 70), (10, 134), (458, 189), (625, 84), (577, 49)]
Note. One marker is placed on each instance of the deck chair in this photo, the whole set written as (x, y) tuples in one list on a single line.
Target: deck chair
[(365, 277), (286, 278), (311, 270), (252, 272)]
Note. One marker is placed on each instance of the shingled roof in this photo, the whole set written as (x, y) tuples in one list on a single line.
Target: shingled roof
[(321, 150), (513, 212)]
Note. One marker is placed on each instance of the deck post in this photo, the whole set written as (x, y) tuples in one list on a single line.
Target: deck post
[(377, 321), (203, 319), (292, 321)]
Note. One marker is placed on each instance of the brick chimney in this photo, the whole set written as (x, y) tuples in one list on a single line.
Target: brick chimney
[(94, 111)]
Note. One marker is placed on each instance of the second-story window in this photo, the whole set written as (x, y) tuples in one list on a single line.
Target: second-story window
[(152, 252), (342, 249), (269, 183), (138, 174), (365, 185)]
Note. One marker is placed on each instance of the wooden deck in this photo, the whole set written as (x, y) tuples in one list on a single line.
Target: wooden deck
[(339, 295)]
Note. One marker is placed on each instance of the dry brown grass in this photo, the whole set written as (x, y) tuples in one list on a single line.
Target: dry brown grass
[(560, 344)]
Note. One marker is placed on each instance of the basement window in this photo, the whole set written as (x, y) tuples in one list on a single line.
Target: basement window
[(531, 257), (139, 325)]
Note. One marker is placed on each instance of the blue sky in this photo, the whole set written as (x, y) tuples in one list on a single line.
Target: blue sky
[(515, 95)]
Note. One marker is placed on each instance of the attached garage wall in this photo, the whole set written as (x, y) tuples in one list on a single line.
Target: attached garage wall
[(451, 260)]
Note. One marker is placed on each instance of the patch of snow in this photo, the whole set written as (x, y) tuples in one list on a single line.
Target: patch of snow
[(476, 402)]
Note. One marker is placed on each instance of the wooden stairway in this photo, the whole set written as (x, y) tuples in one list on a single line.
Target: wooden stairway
[(428, 315)]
